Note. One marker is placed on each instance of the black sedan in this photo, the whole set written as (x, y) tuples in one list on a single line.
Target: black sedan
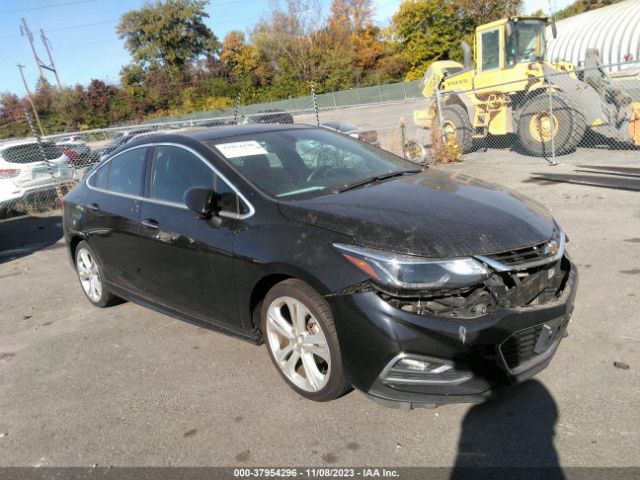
[(354, 267)]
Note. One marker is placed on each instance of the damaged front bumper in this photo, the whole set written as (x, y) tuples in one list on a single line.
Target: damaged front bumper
[(405, 359)]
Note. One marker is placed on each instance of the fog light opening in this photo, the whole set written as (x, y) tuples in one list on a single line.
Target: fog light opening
[(406, 369)]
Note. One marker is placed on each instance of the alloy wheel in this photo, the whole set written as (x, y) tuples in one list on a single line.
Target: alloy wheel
[(298, 344), (89, 275)]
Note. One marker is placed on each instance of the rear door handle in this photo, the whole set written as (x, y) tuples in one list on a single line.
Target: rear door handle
[(151, 223), (93, 206)]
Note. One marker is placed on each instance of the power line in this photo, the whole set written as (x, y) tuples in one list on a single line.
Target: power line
[(83, 25), (39, 7), (113, 21)]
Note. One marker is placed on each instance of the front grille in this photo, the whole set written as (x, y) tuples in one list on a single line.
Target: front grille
[(513, 258), (528, 257), (518, 348)]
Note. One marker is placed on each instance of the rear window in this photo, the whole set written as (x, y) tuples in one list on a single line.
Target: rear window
[(31, 153)]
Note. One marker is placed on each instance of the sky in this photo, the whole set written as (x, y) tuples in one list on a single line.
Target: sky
[(85, 45)]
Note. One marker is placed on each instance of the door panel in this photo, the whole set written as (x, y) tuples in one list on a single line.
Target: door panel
[(490, 63), (114, 233), (187, 261), (113, 216)]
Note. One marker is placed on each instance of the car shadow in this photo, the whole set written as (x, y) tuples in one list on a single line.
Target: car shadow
[(510, 436), (23, 236)]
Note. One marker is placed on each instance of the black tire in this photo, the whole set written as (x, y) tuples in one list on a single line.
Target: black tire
[(458, 117), (571, 125), (106, 298), (336, 385)]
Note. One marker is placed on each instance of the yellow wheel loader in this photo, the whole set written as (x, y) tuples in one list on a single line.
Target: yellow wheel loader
[(511, 89)]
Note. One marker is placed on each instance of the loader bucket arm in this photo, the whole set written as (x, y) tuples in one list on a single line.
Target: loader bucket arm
[(607, 108)]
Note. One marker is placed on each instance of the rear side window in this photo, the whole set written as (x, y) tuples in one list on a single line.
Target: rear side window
[(99, 179), (126, 172), (31, 153), (175, 170)]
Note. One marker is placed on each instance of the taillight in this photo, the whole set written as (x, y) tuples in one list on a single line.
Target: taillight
[(9, 172), (72, 154)]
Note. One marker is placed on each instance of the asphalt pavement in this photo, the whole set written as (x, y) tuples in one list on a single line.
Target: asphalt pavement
[(126, 386)]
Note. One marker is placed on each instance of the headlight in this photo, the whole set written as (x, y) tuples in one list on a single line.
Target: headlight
[(414, 273)]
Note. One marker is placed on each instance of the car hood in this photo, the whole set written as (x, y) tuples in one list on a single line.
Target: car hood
[(431, 214)]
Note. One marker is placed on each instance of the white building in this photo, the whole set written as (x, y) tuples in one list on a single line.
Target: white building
[(614, 30)]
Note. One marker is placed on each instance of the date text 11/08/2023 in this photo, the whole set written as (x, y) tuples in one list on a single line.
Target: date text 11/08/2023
[(315, 472)]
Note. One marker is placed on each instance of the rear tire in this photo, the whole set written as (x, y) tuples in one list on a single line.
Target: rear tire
[(90, 274), (536, 128), (456, 122), (298, 329)]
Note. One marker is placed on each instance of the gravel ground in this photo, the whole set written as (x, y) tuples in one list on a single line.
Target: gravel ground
[(126, 386)]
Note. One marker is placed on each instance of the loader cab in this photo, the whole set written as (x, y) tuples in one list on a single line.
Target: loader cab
[(525, 41), (504, 44)]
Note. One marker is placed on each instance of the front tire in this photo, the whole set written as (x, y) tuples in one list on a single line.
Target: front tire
[(537, 125), (91, 277), (298, 329), (457, 127)]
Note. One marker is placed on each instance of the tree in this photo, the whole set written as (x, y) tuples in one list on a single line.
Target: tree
[(350, 16), (479, 12), (98, 98), (425, 31), (581, 6), (288, 42), (12, 120), (70, 106), (352, 28), (168, 33)]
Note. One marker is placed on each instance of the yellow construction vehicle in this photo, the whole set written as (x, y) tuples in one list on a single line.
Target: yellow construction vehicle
[(511, 89)]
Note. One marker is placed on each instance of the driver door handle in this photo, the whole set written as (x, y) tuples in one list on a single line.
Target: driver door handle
[(94, 207), (151, 223)]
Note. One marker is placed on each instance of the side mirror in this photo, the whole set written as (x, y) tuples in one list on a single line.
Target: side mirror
[(201, 200)]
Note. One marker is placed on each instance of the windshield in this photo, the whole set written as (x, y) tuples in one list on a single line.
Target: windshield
[(527, 42), (289, 164)]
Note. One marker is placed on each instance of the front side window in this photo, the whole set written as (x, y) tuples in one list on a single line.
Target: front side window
[(126, 172), (176, 170), (491, 49), (526, 43), (296, 163)]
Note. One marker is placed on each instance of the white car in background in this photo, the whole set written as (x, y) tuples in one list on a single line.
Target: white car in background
[(75, 143), (24, 172)]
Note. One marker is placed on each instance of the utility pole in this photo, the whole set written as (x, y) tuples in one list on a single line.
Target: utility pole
[(24, 30), (33, 107), (52, 66)]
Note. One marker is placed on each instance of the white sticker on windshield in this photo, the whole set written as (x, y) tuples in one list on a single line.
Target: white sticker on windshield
[(241, 149)]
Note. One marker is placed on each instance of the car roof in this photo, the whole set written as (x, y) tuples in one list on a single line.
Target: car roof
[(22, 141), (213, 133)]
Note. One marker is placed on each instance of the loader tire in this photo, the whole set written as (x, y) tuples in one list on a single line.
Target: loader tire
[(536, 127), (458, 127)]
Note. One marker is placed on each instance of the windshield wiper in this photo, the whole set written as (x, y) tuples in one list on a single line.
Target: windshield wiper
[(377, 178)]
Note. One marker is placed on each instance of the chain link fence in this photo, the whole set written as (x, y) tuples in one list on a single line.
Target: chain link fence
[(551, 118)]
